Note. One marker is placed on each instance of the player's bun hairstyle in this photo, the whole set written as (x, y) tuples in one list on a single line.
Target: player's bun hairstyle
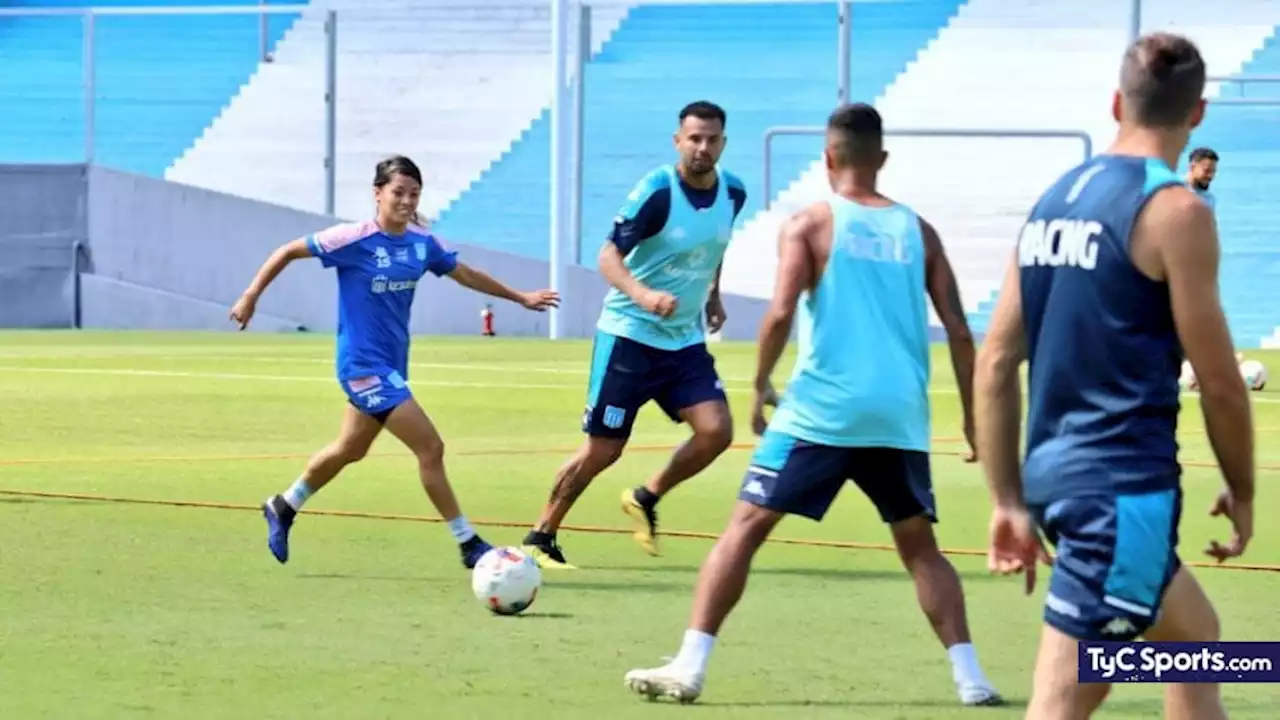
[(1162, 80), (397, 165)]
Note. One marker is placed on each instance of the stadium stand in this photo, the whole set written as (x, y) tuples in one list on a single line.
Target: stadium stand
[(463, 87), (1248, 141), (451, 84), (978, 191), (767, 64), (1238, 39), (160, 80)]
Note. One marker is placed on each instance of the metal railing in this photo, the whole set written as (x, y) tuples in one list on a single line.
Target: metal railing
[(570, 49), (995, 133), (1242, 81)]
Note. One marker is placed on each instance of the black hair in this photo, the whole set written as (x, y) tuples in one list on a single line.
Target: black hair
[(1203, 153), (856, 133), (1162, 79), (395, 165), (703, 110), (388, 168)]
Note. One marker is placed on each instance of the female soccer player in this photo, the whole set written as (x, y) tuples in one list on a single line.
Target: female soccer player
[(379, 263)]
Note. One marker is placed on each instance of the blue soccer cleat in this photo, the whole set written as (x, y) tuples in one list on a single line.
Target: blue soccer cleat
[(472, 550), (279, 519)]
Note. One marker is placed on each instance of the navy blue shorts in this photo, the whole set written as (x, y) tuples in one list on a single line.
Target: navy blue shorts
[(625, 375), (377, 395), (797, 477), (1116, 555)]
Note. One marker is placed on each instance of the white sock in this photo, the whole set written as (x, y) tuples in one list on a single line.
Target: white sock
[(964, 665), (461, 529), (695, 651), (297, 494)]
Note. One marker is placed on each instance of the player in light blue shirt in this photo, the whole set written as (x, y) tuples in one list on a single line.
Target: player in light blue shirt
[(379, 264), (663, 260), (857, 408), (1203, 169)]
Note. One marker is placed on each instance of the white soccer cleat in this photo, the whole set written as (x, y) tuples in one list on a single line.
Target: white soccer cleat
[(667, 681), (974, 695)]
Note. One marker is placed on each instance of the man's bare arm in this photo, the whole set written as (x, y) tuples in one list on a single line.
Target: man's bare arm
[(795, 273), (998, 395), (944, 291), (1183, 229), (614, 269)]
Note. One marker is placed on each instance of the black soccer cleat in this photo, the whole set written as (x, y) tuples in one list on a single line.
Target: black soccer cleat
[(472, 550), (544, 549)]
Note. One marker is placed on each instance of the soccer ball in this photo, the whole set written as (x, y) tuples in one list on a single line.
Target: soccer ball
[(506, 580), (1187, 380), (1254, 373)]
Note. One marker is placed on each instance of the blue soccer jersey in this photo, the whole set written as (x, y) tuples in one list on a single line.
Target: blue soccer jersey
[(1103, 352), (672, 237), (377, 276), (1101, 474)]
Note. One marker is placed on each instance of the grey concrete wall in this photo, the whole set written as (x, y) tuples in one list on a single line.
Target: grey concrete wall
[(201, 244), (108, 304), (43, 213), (166, 255)]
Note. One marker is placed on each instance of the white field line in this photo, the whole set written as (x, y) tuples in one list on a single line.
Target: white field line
[(246, 376), (424, 383), (299, 359)]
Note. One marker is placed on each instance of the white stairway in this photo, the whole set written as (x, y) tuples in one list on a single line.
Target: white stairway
[(1029, 65), (450, 83)]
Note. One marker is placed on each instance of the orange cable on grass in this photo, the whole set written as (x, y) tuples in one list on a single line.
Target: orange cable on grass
[(304, 456), (689, 534), (14, 462)]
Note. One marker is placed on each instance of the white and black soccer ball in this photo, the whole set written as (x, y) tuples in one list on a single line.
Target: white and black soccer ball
[(506, 580), (1187, 380), (1254, 374)]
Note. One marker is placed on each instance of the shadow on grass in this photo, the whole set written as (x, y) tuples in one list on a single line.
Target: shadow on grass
[(559, 584), (373, 578), (804, 572), (1018, 705), (534, 615)]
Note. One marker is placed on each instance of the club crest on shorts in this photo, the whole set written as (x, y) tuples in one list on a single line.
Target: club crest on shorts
[(614, 416)]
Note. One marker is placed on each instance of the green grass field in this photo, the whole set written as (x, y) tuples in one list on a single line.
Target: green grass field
[(119, 610)]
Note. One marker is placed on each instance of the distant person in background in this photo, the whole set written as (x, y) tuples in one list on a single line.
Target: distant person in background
[(1204, 167), (663, 260), (486, 321), (379, 263)]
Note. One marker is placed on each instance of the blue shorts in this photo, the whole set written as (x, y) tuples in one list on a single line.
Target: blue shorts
[(377, 395), (1116, 555), (625, 375), (797, 477)]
